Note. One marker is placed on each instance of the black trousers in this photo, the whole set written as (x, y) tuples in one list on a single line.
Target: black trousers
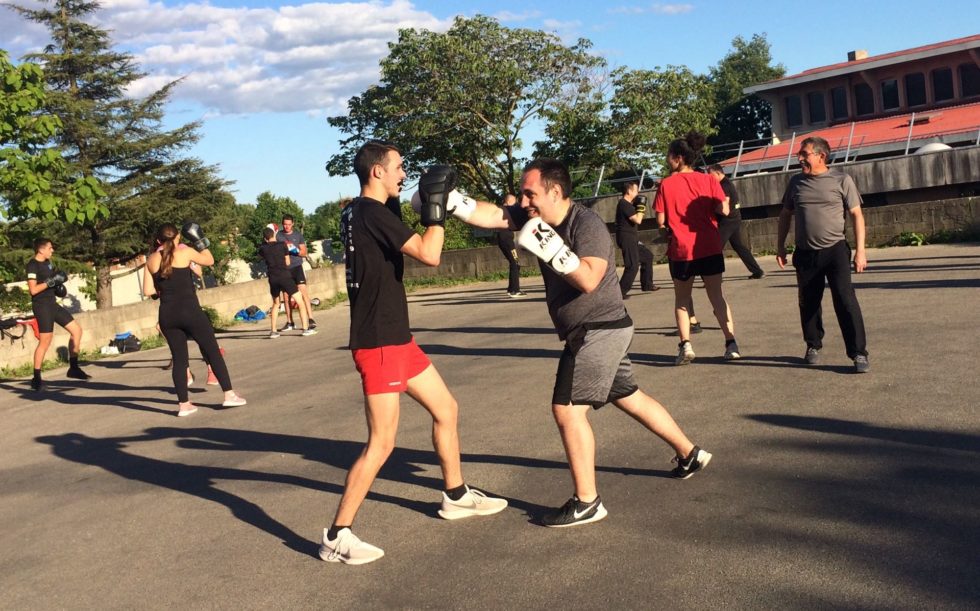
[(636, 258), (180, 321), (506, 245), (730, 230), (832, 266)]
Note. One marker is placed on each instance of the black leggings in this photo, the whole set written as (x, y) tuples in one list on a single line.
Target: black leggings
[(636, 258), (180, 321)]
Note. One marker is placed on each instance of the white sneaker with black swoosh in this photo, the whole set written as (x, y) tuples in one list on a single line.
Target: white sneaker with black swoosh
[(575, 512)]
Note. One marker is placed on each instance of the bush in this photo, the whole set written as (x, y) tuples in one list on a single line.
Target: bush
[(15, 299), (213, 316)]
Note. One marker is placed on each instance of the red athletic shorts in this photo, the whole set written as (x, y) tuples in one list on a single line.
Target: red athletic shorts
[(389, 368)]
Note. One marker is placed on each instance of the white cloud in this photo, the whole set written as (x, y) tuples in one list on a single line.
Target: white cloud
[(510, 16), (306, 57)]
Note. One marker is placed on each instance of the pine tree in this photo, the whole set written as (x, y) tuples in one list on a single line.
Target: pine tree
[(116, 138)]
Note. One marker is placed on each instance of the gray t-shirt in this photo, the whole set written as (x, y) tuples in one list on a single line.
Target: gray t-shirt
[(820, 204), (587, 236), (293, 238)]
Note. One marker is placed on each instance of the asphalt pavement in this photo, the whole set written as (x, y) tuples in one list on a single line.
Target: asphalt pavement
[(828, 489)]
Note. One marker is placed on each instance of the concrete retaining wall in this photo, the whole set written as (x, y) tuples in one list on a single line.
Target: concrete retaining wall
[(100, 326)]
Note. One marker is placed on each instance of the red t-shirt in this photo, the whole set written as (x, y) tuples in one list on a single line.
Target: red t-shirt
[(689, 199)]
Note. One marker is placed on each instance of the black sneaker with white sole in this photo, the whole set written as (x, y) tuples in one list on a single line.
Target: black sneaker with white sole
[(574, 512), (686, 467)]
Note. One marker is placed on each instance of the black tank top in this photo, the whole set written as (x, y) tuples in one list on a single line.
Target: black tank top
[(178, 287)]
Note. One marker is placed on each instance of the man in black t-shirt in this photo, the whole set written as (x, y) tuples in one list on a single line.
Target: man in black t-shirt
[(636, 257), (45, 285), (375, 242), (505, 242), (730, 226), (276, 257)]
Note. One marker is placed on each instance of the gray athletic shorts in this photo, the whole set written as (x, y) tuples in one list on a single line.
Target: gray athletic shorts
[(595, 368)]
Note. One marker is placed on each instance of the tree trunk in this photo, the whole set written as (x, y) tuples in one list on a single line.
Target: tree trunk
[(103, 287)]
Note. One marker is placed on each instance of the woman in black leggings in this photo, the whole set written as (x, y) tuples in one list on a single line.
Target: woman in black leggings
[(168, 274)]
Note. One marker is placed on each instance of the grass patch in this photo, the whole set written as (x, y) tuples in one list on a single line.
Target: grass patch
[(86, 356), (416, 284)]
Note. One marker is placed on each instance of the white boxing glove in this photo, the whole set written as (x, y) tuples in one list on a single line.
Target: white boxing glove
[(540, 239), (461, 206)]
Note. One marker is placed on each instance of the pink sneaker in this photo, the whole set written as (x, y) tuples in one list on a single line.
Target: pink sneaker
[(235, 401), (212, 380), (186, 409)]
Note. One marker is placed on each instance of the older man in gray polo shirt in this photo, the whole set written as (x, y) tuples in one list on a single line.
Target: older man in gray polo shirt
[(821, 199)]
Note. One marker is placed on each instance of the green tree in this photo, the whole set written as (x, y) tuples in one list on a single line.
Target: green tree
[(269, 208), (115, 138), (646, 110), (324, 223), (464, 97), (739, 116), (35, 179)]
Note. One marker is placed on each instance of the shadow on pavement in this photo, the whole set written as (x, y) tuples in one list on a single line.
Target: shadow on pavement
[(205, 481)]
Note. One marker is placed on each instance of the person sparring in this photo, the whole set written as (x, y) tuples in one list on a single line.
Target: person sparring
[(167, 273)]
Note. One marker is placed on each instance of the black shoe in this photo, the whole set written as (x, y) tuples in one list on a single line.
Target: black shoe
[(651, 289), (312, 324), (696, 327), (573, 513), (289, 327), (686, 467), (757, 276), (36, 384), (77, 373), (861, 364)]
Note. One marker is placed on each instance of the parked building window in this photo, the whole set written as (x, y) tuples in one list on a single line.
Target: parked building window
[(969, 80), (889, 94), (838, 100), (818, 112), (864, 99), (942, 84), (915, 89), (794, 111)]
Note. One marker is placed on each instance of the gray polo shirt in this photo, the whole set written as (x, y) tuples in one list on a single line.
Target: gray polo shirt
[(820, 204)]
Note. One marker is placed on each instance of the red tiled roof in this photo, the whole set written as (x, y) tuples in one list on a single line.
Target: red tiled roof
[(928, 124), (875, 58)]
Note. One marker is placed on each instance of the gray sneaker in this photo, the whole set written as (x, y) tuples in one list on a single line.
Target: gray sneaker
[(347, 548), (861, 364), (812, 356), (685, 353), (731, 351), (473, 503)]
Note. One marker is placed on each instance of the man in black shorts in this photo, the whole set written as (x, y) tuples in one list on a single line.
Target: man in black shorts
[(45, 285), (505, 242), (276, 258), (386, 355), (296, 245), (577, 262)]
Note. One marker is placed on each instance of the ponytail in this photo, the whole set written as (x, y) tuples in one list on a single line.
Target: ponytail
[(165, 238), (688, 148)]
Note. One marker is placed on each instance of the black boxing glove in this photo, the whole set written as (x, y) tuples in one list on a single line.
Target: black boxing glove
[(640, 204), (434, 188), (61, 290), (57, 279), (193, 234)]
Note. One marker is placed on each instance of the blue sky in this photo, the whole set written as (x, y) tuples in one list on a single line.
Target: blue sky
[(264, 75)]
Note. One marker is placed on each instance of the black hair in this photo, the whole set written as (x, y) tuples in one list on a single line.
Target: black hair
[(716, 168), (371, 153), (288, 217), (687, 148), (268, 233), (553, 172), (40, 243)]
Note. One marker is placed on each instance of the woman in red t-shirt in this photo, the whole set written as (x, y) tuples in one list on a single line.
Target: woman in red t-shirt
[(686, 204)]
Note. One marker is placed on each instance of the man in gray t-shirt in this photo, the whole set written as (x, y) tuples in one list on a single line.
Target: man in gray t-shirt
[(821, 199), (577, 262), (296, 246)]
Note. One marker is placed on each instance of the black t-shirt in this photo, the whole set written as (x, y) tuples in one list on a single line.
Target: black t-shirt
[(373, 236), (624, 226), (40, 271), (274, 255), (733, 205)]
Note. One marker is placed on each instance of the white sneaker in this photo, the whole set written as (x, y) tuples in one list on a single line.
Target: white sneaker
[(308, 332), (347, 548), (685, 353), (274, 335), (473, 503)]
